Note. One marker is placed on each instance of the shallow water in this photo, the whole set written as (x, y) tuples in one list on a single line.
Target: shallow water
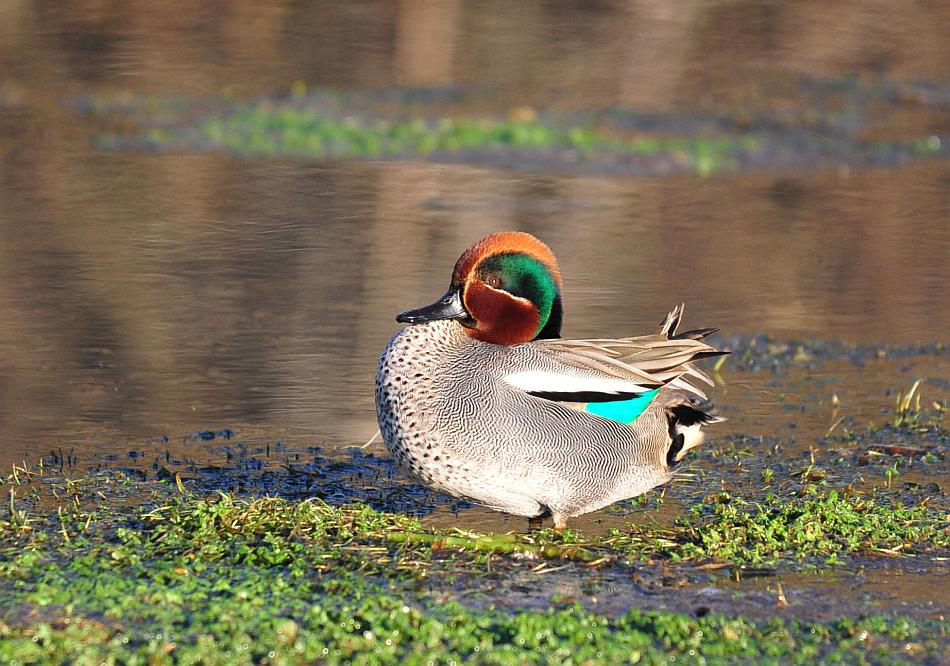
[(151, 295), (148, 297)]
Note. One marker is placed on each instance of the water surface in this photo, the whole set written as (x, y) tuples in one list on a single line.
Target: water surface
[(150, 296)]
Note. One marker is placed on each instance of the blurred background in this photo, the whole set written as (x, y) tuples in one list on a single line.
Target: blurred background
[(780, 167)]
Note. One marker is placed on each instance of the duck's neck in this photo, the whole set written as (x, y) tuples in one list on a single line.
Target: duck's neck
[(552, 328)]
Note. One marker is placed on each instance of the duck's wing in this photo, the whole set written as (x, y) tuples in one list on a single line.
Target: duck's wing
[(606, 370)]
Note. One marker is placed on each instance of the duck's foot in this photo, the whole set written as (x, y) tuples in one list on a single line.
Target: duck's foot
[(535, 522)]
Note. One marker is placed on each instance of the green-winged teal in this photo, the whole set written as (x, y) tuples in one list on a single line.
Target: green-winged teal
[(478, 397)]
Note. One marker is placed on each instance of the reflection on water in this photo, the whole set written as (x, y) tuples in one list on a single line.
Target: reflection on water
[(146, 295)]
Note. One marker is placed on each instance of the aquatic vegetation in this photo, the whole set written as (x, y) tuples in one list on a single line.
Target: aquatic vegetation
[(276, 531), (377, 628), (305, 132), (761, 352), (269, 129), (430, 124), (914, 435), (215, 579), (908, 412), (816, 525)]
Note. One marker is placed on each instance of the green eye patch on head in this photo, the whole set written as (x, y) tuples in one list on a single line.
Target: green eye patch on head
[(524, 276)]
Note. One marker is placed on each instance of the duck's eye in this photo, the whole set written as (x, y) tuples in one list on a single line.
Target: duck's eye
[(494, 281)]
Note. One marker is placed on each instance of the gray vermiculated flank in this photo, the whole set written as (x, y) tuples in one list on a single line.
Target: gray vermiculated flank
[(450, 420)]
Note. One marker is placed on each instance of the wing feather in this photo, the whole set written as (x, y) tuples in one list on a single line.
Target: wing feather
[(614, 369)]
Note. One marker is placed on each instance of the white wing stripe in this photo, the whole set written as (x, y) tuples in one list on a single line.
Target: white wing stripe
[(541, 381)]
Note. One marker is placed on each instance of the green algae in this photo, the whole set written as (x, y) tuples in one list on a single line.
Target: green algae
[(191, 579), (432, 125), (817, 525), (380, 629), (305, 132), (265, 131)]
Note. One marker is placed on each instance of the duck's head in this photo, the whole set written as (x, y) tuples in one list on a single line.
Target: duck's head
[(505, 289)]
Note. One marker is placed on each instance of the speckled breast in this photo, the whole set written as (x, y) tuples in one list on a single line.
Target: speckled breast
[(408, 398)]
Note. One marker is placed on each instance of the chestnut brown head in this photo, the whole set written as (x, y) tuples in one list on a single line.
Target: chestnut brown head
[(505, 289)]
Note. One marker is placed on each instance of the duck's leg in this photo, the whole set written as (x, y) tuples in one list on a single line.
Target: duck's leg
[(560, 521)]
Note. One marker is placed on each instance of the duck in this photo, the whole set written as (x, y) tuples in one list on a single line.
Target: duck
[(480, 398)]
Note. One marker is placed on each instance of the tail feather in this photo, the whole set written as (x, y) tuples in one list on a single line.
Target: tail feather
[(688, 369), (672, 321), (689, 410), (686, 418), (695, 334)]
